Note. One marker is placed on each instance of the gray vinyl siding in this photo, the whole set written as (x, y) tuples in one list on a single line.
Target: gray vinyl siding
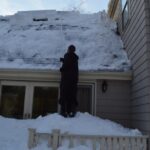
[(114, 104), (136, 38)]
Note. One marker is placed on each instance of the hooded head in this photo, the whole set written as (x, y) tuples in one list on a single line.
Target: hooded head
[(71, 49)]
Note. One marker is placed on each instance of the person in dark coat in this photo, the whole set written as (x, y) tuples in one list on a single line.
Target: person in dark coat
[(68, 84)]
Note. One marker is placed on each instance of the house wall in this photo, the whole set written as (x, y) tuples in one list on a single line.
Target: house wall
[(136, 38), (117, 97), (114, 104)]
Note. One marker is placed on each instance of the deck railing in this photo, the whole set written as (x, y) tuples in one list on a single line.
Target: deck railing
[(96, 142)]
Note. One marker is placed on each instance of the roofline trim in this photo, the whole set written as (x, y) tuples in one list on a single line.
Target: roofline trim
[(49, 75)]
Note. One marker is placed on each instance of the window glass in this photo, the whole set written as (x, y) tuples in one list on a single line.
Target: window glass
[(84, 98), (123, 3), (125, 13), (12, 101), (45, 101)]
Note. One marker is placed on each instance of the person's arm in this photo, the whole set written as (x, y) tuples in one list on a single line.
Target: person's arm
[(66, 63)]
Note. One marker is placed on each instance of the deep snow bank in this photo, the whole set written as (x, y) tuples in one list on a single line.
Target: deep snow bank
[(14, 133)]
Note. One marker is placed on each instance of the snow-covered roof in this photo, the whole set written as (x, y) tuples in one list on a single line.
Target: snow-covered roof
[(37, 39)]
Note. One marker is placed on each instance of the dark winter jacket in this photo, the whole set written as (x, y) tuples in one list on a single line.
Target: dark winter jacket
[(69, 79), (69, 67)]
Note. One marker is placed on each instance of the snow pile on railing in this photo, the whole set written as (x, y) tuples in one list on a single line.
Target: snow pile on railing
[(57, 140), (14, 133)]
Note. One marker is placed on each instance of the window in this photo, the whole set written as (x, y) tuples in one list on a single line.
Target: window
[(32, 99), (12, 101), (125, 13), (45, 101), (28, 99), (84, 98), (123, 3)]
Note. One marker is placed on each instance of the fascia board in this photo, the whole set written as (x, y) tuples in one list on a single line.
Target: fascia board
[(48, 75)]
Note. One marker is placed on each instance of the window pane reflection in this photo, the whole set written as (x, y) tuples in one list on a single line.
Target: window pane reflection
[(45, 101), (84, 97), (123, 3), (12, 101)]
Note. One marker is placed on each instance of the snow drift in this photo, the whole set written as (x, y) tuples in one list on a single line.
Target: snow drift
[(14, 133)]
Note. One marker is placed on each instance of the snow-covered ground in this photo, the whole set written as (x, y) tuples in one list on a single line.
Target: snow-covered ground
[(28, 43), (14, 133)]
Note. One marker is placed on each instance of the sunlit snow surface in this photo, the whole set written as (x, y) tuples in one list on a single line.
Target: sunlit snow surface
[(28, 43), (14, 133)]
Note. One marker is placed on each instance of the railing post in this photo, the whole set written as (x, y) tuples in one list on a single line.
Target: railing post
[(55, 138), (105, 142), (145, 143), (71, 143), (32, 138)]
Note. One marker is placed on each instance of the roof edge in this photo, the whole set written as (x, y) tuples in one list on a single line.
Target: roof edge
[(50, 75)]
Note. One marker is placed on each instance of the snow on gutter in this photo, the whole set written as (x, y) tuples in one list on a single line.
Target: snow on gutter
[(47, 75)]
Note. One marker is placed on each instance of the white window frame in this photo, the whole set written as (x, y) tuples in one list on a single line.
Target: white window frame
[(29, 91)]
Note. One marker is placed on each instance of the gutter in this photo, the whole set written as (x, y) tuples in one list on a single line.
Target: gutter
[(49, 75)]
